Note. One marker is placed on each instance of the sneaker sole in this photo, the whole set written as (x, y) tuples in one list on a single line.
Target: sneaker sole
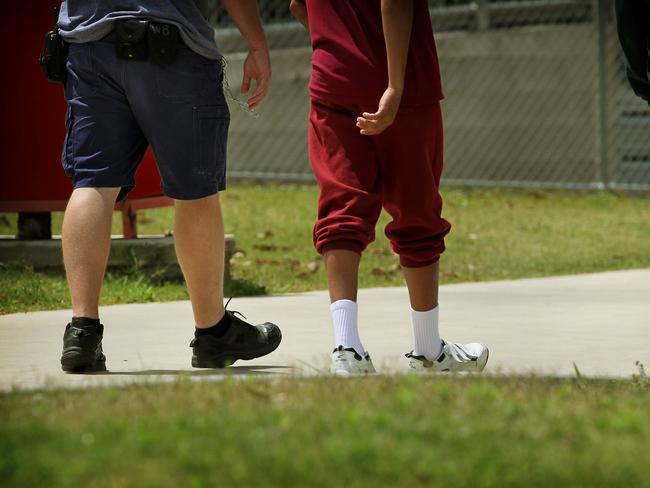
[(347, 374), (228, 359), (74, 362)]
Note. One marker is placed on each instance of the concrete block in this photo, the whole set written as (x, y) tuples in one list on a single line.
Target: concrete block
[(155, 254)]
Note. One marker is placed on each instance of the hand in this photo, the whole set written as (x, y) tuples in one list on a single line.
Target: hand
[(257, 67), (372, 124), (299, 11)]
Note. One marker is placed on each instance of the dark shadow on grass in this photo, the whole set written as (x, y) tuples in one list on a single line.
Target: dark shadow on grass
[(232, 287), (235, 287), (230, 371)]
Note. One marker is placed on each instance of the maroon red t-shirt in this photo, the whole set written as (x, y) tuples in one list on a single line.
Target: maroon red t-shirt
[(349, 54)]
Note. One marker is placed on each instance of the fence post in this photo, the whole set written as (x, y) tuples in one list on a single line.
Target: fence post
[(602, 158), (482, 15)]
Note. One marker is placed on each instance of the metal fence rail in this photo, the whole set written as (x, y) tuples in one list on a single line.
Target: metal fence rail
[(535, 91)]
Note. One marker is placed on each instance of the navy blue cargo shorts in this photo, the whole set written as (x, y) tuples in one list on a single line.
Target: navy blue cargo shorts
[(117, 107)]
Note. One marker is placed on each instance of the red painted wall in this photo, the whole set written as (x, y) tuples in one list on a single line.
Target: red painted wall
[(33, 111)]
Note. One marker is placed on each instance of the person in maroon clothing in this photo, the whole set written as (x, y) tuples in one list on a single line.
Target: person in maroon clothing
[(376, 140)]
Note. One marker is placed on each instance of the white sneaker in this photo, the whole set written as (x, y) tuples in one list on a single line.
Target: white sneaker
[(454, 358), (347, 362)]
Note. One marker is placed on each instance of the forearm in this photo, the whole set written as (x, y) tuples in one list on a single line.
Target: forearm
[(246, 16), (632, 26), (299, 11), (397, 22)]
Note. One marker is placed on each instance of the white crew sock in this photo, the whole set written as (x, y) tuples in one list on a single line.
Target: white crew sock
[(344, 319), (426, 338)]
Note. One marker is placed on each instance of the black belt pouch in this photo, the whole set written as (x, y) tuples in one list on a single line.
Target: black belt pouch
[(53, 57), (131, 39)]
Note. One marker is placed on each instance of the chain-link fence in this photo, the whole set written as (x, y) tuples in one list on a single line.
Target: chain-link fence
[(535, 90)]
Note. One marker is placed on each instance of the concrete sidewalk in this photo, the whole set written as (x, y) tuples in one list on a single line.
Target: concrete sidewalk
[(600, 322)]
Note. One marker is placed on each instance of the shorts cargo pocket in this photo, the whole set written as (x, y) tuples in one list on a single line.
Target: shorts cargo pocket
[(210, 141)]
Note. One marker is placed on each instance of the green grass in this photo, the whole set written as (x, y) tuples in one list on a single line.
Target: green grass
[(322, 432), (497, 234)]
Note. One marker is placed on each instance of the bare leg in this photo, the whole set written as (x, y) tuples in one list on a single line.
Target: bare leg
[(86, 240), (342, 274), (199, 241), (422, 284)]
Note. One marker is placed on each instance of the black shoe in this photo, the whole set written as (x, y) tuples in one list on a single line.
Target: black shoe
[(82, 349), (241, 341)]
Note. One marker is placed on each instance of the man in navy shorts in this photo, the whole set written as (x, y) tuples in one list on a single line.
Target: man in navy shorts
[(148, 72), (633, 23)]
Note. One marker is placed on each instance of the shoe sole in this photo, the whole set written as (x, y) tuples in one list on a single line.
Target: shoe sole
[(75, 362), (226, 359), (347, 374)]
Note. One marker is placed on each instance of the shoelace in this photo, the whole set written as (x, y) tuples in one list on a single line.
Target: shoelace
[(339, 351), (234, 311), (80, 332), (459, 352)]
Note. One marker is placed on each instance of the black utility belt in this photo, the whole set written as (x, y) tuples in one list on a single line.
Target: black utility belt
[(144, 40)]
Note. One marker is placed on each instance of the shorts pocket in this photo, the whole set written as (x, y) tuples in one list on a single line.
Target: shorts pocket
[(211, 124)]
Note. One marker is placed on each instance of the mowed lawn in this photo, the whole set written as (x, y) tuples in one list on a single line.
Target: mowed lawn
[(324, 432), (497, 234), (380, 431)]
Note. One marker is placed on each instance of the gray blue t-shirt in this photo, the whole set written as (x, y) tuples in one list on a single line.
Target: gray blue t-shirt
[(90, 20)]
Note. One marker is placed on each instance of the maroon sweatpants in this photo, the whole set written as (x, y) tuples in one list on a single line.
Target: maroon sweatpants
[(398, 169)]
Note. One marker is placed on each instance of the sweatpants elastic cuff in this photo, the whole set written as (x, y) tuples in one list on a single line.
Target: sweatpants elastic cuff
[(342, 245), (411, 263)]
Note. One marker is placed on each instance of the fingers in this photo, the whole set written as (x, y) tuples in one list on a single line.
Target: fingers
[(369, 116), (246, 83), (375, 123), (257, 68), (261, 90), (372, 130), (371, 127)]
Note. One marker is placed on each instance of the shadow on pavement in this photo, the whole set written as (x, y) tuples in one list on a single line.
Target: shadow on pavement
[(232, 370)]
